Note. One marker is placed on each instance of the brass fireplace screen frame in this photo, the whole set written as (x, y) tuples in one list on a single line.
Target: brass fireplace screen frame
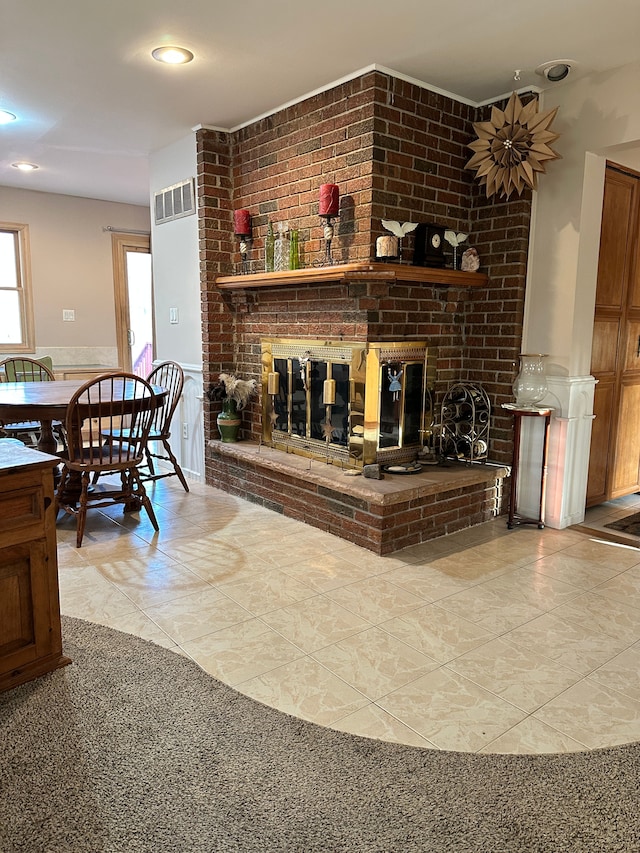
[(350, 402)]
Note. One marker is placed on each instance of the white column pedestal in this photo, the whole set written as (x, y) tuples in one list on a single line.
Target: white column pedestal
[(568, 458)]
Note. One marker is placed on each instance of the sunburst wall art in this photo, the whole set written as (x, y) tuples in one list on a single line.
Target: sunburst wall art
[(513, 147)]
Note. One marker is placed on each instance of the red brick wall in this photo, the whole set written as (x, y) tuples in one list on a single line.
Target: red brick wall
[(396, 151)]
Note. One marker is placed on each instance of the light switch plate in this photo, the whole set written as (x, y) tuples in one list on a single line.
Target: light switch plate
[(68, 315)]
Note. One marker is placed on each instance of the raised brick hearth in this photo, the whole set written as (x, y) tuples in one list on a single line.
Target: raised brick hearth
[(381, 515)]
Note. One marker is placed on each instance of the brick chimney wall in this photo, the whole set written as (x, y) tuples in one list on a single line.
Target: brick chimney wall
[(397, 151)]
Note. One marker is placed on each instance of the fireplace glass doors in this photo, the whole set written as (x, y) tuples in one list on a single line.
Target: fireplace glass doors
[(349, 402)]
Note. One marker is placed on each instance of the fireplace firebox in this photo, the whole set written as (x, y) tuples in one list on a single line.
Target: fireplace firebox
[(352, 403)]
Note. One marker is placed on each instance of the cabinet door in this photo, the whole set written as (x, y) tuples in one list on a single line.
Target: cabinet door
[(615, 356), (627, 451), (25, 625), (601, 442), (618, 222)]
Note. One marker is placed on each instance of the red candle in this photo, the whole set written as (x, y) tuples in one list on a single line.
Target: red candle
[(329, 200), (242, 222)]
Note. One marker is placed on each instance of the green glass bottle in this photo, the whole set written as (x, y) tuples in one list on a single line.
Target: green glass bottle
[(269, 246), (294, 257)]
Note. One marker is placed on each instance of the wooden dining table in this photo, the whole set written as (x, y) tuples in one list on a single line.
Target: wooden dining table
[(45, 402)]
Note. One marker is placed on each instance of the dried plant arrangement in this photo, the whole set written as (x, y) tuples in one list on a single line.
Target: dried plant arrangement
[(231, 387)]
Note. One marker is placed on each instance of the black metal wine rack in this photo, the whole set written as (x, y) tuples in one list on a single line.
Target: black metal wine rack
[(465, 416)]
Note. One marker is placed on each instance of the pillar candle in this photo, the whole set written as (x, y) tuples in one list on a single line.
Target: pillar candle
[(329, 200), (273, 383), (329, 392), (387, 247), (242, 222)]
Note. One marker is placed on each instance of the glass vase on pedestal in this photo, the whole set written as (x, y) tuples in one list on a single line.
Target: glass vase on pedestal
[(530, 384)]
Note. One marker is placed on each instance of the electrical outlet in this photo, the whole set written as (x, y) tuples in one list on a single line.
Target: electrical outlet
[(68, 315), (185, 430), (174, 316)]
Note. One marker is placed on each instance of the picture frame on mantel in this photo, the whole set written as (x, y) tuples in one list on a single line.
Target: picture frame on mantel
[(429, 246)]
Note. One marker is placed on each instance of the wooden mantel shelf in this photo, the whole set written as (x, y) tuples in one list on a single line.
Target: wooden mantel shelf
[(354, 272)]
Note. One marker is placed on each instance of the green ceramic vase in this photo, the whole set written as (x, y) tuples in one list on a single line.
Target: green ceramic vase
[(229, 421)]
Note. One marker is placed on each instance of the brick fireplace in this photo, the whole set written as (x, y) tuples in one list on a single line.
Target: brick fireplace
[(397, 151)]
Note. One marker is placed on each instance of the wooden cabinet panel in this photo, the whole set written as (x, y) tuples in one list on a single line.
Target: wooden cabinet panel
[(614, 461), (16, 617), (604, 348), (632, 349), (617, 221), (30, 633), (601, 442), (20, 508), (627, 451)]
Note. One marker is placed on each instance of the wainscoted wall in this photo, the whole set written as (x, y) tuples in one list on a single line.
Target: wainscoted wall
[(189, 449), (189, 412), (80, 356)]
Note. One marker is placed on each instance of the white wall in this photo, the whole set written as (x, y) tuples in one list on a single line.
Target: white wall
[(72, 267), (176, 282), (176, 261), (598, 119)]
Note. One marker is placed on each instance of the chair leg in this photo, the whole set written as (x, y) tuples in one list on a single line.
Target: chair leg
[(143, 497), (81, 511), (175, 464), (149, 456)]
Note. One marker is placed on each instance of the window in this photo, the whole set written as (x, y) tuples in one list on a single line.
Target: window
[(16, 309)]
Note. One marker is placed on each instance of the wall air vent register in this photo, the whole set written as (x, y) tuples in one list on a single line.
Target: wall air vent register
[(175, 201)]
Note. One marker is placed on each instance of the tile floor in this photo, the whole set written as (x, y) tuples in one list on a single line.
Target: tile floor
[(490, 640)]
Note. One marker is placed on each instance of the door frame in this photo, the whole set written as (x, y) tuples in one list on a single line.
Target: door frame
[(121, 243)]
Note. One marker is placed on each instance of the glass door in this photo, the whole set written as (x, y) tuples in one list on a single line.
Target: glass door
[(134, 303)]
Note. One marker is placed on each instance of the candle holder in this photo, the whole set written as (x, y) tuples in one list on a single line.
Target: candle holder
[(328, 232), (242, 229), (273, 389), (245, 239), (328, 210)]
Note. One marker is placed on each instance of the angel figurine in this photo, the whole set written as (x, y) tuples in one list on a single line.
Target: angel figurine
[(454, 240), (399, 230), (394, 383)]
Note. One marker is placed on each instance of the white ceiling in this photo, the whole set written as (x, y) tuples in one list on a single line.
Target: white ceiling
[(92, 104)]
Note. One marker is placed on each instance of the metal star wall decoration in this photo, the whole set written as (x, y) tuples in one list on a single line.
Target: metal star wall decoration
[(513, 147), (327, 430)]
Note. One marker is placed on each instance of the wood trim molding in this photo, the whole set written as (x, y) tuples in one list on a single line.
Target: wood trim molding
[(354, 272)]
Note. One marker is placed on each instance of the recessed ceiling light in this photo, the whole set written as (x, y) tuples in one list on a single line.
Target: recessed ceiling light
[(556, 70), (25, 167), (6, 117), (172, 55)]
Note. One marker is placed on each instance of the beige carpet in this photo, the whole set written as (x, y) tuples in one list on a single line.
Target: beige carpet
[(133, 749)]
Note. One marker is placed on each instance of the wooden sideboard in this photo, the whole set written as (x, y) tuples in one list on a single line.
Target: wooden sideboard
[(30, 632)]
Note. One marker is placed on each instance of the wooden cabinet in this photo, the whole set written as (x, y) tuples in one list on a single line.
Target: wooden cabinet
[(30, 633), (614, 461)]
